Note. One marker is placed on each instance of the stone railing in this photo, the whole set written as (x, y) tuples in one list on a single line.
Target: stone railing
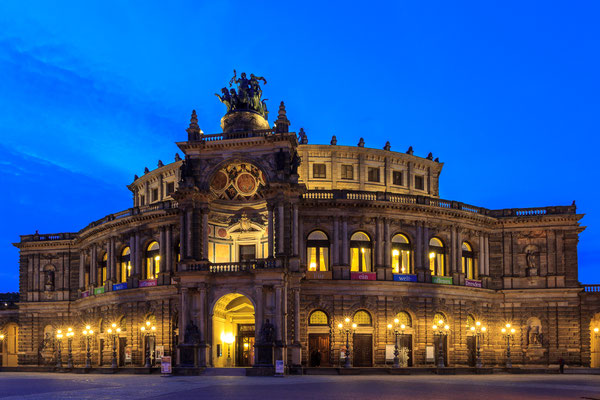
[(243, 266), (356, 195), (36, 237), (591, 288), (235, 135)]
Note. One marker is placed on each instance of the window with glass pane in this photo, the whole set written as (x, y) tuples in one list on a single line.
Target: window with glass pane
[(360, 252), (397, 178), (152, 260), (318, 318), (401, 255), (319, 171), (102, 270), (436, 257), (373, 174), (125, 264), (468, 267), (347, 172), (362, 318), (470, 321), (439, 317), (404, 318), (317, 251)]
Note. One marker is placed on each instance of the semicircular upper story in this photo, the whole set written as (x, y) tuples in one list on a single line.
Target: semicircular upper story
[(333, 167), (157, 185)]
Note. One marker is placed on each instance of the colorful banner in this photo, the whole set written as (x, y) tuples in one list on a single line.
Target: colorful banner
[(363, 276), (472, 283), (405, 278), (148, 282), (319, 275), (85, 294), (99, 290), (442, 280), (119, 286)]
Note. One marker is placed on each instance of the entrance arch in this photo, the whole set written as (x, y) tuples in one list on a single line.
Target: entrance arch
[(233, 331)]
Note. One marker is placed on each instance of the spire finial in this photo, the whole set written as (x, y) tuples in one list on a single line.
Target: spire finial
[(361, 142), (333, 140), (193, 130), (387, 146), (302, 136), (282, 124)]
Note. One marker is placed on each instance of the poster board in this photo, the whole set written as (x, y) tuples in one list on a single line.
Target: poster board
[(165, 365), (389, 352), (429, 354)]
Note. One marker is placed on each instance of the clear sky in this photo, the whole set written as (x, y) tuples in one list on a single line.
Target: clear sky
[(505, 93)]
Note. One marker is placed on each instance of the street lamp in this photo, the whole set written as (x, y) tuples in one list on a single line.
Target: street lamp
[(508, 332), (113, 331), (442, 331), (59, 336), (147, 330), (228, 338), (69, 335), (87, 333), (396, 333), (346, 328), (478, 331)]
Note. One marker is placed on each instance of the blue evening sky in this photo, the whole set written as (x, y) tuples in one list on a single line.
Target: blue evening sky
[(505, 93)]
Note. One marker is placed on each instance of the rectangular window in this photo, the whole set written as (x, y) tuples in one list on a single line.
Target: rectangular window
[(142, 200), (397, 178), (319, 171), (170, 187), (373, 174), (347, 172), (419, 182), (154, 194)]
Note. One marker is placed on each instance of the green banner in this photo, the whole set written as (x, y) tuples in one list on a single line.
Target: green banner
[(99, 290), (442, 280)]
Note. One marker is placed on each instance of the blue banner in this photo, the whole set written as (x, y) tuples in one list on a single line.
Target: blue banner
[(405, 278), (120, 286)]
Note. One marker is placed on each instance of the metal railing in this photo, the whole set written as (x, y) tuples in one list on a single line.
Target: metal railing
[(242, 266)]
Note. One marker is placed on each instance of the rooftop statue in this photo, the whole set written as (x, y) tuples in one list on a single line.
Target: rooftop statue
[(247, 97)]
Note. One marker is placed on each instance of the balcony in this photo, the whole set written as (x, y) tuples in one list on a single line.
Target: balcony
[(232, 267)]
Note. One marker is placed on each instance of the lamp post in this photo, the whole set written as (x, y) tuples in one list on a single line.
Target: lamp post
[(478, 331), (508, 332), (69, 335), (147, 330), (228, 338), (397, 332), (113, 331), (59, 336), (441, 331), (87, 333), (346, 328)]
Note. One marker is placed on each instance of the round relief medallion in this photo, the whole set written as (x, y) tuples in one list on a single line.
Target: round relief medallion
[(246, 183), (220, 181), (222, 232)]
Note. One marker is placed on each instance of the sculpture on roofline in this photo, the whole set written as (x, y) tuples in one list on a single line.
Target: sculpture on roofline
[(247, 97)]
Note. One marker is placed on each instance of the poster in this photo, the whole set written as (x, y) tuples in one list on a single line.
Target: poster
[(165, 365), (429, 357), (128, 354), (160, 352), (279, 367), (389, 351)]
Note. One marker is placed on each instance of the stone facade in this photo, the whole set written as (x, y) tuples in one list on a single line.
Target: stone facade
[(221, 242)]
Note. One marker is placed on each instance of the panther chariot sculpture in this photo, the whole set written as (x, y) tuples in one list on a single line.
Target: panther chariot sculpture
[(247, 97)]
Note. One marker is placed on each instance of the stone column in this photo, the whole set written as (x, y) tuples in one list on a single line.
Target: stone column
[(137, 268), (387, 249), (280, 229), (335, 249), (419, 247), (202, 318), (297, 348), (295, 230), (278, 314), (270, 230), (204, 249), (162, 252), (169, 249), (486, 247), (94, 267), (481, 258), (345, 246), (258, 318), (182, 235), (378, 243), (184, 317), (189, 243), (425, 253), (460, 276), (81, 270), (452, 252)]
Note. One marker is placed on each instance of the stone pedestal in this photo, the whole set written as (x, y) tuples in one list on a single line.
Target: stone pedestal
[(188, 355), (164, 278), (458, 278), (133, 282), (264, 355)]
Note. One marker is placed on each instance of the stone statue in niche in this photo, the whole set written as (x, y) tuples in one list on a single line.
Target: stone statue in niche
[(49, 280), (534, 333), (531, 261)]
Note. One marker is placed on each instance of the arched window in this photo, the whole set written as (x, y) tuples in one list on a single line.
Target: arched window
[(401, 255), (102, 270), (436, 257), (360, 252), (404, 319), (468, 265), (470, 321), (362, 318), (318, 318), (152, 260), (123, 324), (125, 262), (439, 319), (317, 251)]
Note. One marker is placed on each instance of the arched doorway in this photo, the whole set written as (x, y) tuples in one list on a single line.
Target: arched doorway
[(9, 346), (595, 341), (233, 331)]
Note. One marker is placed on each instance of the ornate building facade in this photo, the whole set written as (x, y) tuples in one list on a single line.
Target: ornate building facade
[(258, 246)]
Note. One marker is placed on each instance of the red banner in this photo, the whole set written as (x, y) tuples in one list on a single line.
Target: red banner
[(363, 276), (148, 282)]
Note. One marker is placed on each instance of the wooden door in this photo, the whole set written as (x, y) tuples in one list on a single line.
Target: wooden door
[(405, 342), (363, 350), (318, 350), (245, 345), (471, 350), (122, 344)]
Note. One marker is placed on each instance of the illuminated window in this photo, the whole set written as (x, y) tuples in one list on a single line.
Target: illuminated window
[(401, 255), (318, 318), (373, 174), (152, 260), (360, 252), (319, 171), (362, 318), (439, 317), (436, 257), (102, 270), (404, 318), (125, 262), (468, 264), (347, 172), (317, 251), (397, 178), (419, 182), (470, 321)]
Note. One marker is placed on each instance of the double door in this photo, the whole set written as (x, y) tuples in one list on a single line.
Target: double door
[(318, 350), (245, 345), (363, 350)]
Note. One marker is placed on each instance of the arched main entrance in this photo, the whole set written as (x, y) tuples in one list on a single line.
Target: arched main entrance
[(233, 331)]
